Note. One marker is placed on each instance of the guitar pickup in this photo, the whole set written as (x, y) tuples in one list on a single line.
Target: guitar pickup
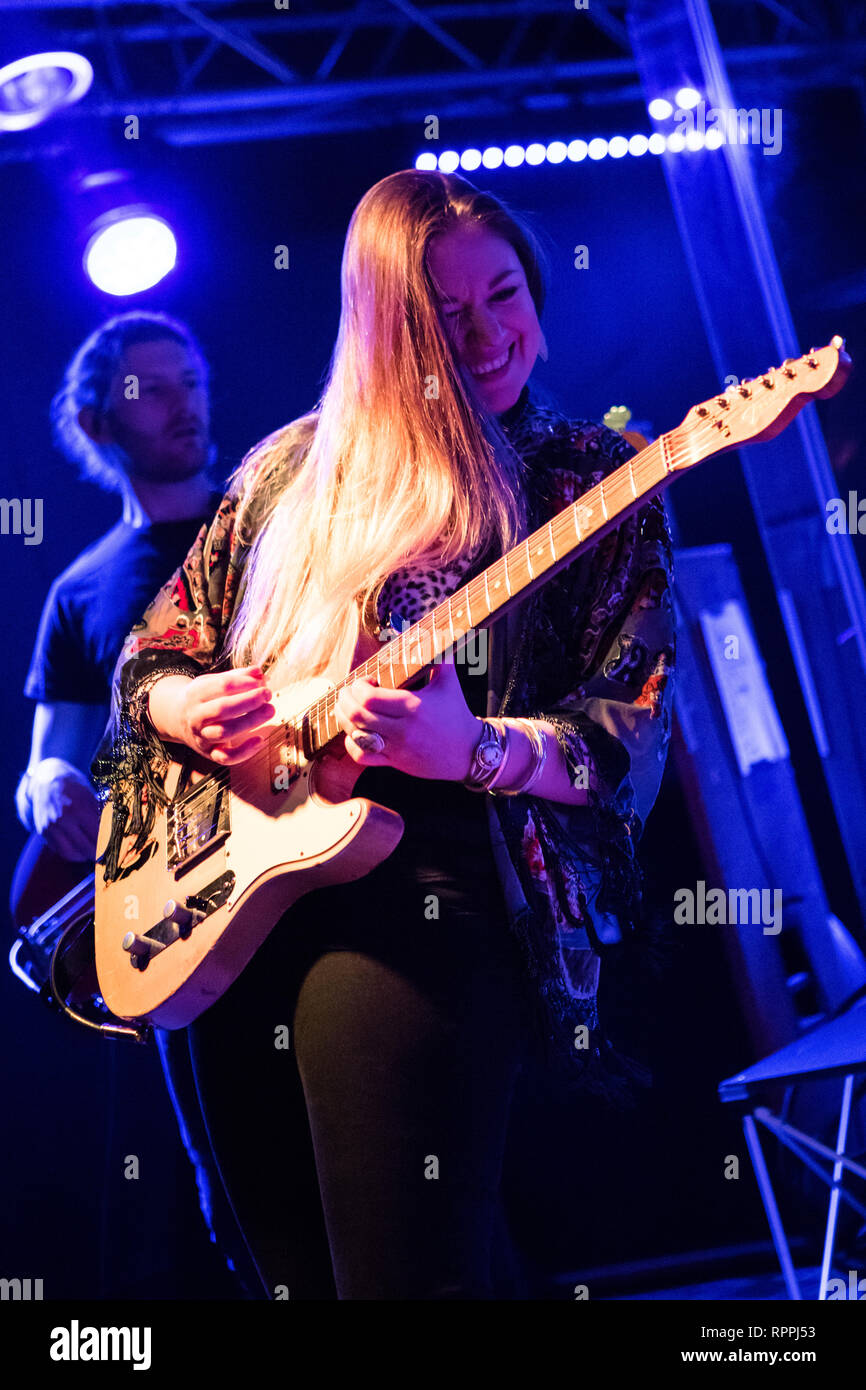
[(198, 821)]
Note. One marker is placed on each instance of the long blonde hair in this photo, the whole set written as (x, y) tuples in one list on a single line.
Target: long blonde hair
[(399, 462)]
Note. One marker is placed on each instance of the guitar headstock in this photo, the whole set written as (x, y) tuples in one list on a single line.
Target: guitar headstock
[(750, 411)]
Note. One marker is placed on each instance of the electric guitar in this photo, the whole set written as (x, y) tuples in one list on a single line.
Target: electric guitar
[(236, 847)]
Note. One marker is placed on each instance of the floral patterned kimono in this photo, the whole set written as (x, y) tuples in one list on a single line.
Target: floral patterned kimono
[(591, 651)]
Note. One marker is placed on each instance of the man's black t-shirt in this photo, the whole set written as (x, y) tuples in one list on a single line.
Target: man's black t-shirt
[(93, 604)]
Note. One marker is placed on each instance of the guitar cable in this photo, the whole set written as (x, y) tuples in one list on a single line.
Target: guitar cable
[(141, 1034)]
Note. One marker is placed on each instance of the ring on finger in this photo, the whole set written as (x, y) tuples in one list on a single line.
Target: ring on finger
[(367, 740)]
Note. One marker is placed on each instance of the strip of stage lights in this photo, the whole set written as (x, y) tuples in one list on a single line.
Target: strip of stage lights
[(557, 152)]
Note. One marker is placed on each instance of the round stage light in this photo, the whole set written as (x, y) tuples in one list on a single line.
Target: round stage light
[(617, 146), (597, 148), (130, 252), (556, 151), (427, 160), (33, 88), (638, 144), (514, 156), (492, 157), (687, 97), (536, 154), (449, 161), (577, 150), (660, 108), (470, 159), (656, 143)]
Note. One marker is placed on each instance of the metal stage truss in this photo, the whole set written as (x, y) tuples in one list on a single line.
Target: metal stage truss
[(218, 71)]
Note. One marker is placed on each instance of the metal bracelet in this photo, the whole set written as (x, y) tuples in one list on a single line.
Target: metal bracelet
[(539, 757), (505, 735), (479, 777)]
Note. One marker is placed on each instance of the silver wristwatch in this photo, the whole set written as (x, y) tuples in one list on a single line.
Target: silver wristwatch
[(487, 758)]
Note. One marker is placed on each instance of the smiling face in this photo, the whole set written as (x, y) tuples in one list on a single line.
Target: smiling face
[(488, 309), (165, 431)]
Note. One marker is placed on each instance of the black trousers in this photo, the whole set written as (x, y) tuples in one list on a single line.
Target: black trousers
[(363, 1160)]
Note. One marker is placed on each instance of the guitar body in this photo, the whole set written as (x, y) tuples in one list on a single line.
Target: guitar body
[(242, 843)]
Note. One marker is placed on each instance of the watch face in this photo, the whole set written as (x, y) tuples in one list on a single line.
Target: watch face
[(490, 755)]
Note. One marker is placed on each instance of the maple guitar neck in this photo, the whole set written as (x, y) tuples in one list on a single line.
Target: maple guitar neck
[(746, 412), (521, 570)]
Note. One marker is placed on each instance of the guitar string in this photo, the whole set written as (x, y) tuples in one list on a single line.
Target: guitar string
[(614, 494), (612, 490), (625, 487)]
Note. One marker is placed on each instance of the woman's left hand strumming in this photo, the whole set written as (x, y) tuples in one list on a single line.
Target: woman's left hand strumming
[(426, 733)]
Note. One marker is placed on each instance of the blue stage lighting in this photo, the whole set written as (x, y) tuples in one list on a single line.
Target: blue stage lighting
[(131, 251), (687, 97), (660, 108), (33, 88), (557, 151)]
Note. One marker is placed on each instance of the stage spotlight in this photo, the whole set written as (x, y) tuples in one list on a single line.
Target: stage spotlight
[(33, 88), (687, 97), (660, 108), (130, 250), (557, 151)]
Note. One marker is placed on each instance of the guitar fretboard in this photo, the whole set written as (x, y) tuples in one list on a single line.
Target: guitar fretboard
[(513, 577)]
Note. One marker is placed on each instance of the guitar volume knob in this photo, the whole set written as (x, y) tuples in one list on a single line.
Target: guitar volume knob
[(184, 916), (141, 945)]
